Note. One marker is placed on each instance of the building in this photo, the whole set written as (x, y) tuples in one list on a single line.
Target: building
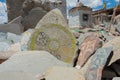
[(104, 15), (80, 16)]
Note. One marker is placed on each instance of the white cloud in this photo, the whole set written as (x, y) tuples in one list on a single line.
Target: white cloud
[(90, 3), (117, 0), (3, 14)]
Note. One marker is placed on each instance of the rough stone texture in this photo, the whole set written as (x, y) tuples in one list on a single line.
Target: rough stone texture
[(6, 54), (118, 27), (115, 43), (117, 18), (34, 62), (90, 44), (13, 28), (94, 71), (33, 18), (55, 16), (16, 76), (116, 78), (14, 10), (46, 5), (56, 39), (17, 20), (63, 73)]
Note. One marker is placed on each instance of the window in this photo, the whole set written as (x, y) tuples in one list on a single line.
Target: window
[(85, 17)]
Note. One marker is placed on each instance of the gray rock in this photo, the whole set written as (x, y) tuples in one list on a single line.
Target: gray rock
[(3, 36), (115, 43), (97, 64), (34, 16), (54, 16), (4, 46), (13, 38), (118, 27), (13, 28), (63, 73), (116, 78), (17, 20), (16, 76), (34, 62), (14, 10)]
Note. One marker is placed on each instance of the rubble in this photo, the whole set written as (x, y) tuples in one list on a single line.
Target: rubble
[(39, 44)]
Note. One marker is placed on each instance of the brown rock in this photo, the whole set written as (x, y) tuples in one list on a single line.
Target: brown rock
[(87, 48)]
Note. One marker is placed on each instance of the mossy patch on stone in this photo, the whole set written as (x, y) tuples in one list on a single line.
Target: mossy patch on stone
[(56, 39)]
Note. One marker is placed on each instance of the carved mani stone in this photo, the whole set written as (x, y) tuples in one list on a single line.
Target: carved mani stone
[(56, 39)]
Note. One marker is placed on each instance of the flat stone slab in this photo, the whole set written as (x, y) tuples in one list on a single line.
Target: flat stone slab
[(34, 62), (16, 76), (54, 16), (63, 73), (56, 39), (13, 28)]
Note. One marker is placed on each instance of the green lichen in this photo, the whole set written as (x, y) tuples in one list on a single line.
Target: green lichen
[(32, 44)]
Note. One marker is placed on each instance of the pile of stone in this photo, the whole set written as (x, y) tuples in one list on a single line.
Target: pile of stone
[(50, 51)]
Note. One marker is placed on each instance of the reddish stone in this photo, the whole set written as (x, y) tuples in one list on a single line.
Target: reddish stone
[(87, 48)]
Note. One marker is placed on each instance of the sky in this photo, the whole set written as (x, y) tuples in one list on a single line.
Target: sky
[(95, 4)]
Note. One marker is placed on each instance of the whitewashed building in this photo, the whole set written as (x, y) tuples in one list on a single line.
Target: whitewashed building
[(80, 16)]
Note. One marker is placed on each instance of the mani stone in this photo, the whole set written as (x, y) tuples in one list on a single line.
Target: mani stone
[(13, 28), (63, 73), (97, 64), (34, 62), (16, 76), (56, 39), (54, 16), (34, 16), (115, 43), (90, 44)]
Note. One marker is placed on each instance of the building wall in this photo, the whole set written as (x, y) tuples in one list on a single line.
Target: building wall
[(74, 20), (87, 23)]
